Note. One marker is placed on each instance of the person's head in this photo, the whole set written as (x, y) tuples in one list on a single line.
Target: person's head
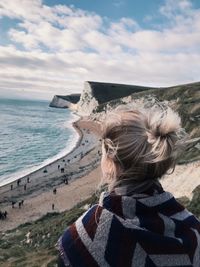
[(140, 145)]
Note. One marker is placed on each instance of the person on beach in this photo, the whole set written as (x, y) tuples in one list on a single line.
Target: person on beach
[(54, 191), (13, 204), (66, 181), (136, 222), (3, 215)]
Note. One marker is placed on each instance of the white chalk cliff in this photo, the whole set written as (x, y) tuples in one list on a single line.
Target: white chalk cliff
[(97, 93), (68, 101)]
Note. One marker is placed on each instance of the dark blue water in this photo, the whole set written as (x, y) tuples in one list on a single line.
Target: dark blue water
[(31, 134)]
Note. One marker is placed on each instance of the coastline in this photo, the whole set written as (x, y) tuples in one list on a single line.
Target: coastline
[(39, 197), (40, 181), (42, 165)]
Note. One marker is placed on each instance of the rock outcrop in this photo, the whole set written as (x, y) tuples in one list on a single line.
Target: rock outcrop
[(68, 101)]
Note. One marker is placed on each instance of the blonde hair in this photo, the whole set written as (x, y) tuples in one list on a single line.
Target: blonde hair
[(141, 145)]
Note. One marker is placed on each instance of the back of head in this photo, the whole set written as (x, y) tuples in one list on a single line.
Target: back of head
[(140, 145)]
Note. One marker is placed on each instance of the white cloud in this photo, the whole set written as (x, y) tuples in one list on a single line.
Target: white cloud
[(23, 9), (171, 8), (57, 28), (64, 46), (44, 33)]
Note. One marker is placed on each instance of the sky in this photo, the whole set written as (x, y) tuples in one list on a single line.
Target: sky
[(50, 47)]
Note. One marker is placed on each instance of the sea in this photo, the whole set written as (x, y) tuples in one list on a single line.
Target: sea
[(32, 134)]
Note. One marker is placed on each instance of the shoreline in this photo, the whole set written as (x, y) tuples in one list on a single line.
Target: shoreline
[(80, 136), (49, 175), (83, 175)]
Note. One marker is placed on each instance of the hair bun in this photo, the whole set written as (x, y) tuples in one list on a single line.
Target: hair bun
[(163, 122), (163, 133)]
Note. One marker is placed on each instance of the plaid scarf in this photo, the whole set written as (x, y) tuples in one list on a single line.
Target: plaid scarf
[(142, 230)]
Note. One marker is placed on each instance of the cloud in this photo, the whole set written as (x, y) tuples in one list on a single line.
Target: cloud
[(172, 8), (63, 46), (23, 9), (56, 28)]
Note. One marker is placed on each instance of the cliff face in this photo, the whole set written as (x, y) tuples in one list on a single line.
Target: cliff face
[(87, 102), (68, 101), (97, 93)]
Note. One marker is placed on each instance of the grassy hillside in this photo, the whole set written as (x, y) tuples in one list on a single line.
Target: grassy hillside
[(15, 251), (73, 98), (105, 92)]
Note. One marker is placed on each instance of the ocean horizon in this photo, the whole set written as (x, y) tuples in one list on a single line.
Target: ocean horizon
[(32, 135)]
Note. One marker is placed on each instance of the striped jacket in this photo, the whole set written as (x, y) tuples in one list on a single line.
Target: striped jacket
[(133, 231)]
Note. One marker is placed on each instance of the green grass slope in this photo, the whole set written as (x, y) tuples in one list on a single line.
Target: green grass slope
[(105, 92)]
